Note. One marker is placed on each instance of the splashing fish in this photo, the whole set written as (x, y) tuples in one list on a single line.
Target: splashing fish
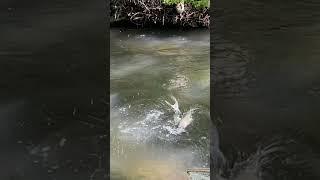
[(186, 119), (175, 107)]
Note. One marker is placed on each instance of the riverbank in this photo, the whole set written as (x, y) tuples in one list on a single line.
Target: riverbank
[(157, 13)]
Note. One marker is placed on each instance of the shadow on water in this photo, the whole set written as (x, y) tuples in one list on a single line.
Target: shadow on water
[(52, 80), (265, 78)]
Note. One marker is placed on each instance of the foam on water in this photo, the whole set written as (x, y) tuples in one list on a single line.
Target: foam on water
[(150, 127)]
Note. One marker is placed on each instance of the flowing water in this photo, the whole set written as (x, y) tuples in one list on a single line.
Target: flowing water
[(148, 71), (266, 68), (52, 78)]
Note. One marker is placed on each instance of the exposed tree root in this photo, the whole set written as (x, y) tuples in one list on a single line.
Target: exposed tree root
[(155, 13)]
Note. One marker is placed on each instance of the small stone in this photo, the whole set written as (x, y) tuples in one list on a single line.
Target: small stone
[(75, 170), (50, 171)]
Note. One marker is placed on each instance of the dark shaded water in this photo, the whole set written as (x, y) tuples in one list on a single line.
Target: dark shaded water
[(52, 80), (265, 63)]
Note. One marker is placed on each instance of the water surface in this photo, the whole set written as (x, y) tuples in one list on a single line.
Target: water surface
[(147, 68), (52, 78), (266, 68)]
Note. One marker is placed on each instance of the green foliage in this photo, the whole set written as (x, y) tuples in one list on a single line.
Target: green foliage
[(196, 3)]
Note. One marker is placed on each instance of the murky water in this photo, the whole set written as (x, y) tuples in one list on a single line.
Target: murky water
[(149, 70), (266, 68), (52, 79)]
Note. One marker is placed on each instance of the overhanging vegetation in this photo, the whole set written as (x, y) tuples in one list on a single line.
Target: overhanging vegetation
[(184, 13)]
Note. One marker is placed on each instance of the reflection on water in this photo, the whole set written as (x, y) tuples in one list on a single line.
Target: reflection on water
[(157, 81)]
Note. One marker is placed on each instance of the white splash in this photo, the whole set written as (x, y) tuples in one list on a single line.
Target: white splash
[(187, 119), (142, 131), (175, 107), (183, 122)]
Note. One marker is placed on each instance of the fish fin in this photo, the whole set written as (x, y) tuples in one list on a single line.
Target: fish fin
[(176, 104), (169, 104)]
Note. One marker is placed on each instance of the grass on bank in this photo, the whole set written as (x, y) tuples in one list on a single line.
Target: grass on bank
[(196, 3)]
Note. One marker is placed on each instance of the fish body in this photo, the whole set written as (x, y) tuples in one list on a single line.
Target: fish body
[(181, 122), (186, 120)]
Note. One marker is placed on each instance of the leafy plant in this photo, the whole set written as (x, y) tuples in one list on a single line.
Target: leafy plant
[(196, 3)]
